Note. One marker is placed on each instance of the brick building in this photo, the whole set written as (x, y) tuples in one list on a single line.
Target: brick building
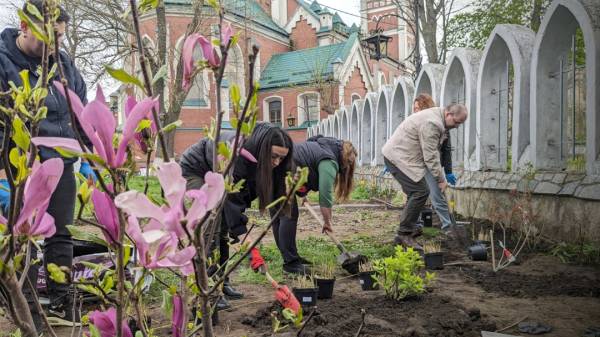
[(310, 63)]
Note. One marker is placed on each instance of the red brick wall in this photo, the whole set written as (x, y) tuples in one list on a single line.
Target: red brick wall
[(356, 85), (303, 35), (292, 5), (388, 23)]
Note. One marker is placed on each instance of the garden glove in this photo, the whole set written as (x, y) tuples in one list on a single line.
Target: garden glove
[(4, 195), (256, 260), (451, 179), (86, 170)]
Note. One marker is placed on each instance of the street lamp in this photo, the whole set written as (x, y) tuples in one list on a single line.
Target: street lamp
[(377, 45), (291, 120)]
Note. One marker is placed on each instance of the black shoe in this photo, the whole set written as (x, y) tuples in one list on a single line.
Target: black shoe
[(231, 293), (63, 315), (304, 261), (408, 241), (296, 268), (222, 304)]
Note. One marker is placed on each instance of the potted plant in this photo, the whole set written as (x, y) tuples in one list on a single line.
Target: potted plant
[(366, 276), (434, 258), (325, 279), (482, 238), (305, 291)]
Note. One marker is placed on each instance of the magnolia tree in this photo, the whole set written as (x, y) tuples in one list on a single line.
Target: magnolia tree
[(141, 234)]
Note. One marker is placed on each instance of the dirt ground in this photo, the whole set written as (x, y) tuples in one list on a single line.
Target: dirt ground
[(467, 297)]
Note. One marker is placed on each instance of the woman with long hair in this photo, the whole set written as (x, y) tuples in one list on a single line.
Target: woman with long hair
[(331, 164), (263, 167)]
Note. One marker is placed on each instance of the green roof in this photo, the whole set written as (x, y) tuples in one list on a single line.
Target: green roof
[(302, 66), (338, 19), (242, 9), (315, 7)]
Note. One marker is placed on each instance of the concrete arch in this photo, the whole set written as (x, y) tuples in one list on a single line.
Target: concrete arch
[(381, 122), (355, 120), (459, 85), (326, 129), (331, 123), (401, 102), (366, 129), (315, 129), (336, 125), (344, 126), (507, 44), (430, 81), (309, 132), (561, 20), (320, 126)]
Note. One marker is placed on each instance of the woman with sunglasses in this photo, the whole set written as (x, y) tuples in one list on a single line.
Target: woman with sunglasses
[(331, 165), (263, 167)]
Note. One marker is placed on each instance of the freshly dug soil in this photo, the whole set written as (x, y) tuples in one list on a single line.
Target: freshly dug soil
[(430, 315)]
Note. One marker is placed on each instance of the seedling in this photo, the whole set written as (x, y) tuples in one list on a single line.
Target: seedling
[(365, 267), (432, 247), (303, 282), (326, 271)]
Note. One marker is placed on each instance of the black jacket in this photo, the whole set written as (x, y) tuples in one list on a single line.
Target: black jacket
[(446, 154), (197, 160), (58, 120), (311, 153)]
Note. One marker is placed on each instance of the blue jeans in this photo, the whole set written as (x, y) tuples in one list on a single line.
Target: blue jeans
[(440, 205)]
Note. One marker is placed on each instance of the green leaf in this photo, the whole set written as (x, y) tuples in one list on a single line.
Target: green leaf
[(224, 150), (144, 124), (234, 93), (279, 200), (167, 303), (56, 274), (81, 234), (160, 74), (94, 332), (19, 161), (35, 29), (172, 126), (21, 135), (124, 77), (24, 74), (34, 11), (41, 114), (67, 153), (139, 334), (214, 4), (95, 158)]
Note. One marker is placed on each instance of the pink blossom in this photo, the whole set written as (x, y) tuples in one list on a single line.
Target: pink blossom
[(33, 220), (177, 316), (130, 104), (107, 215), (106, 323)]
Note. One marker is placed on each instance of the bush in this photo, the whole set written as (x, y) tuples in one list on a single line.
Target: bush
[(399, 274)]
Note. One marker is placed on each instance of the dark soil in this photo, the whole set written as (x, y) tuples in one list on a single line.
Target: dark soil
[(430, 315), (514, 284)]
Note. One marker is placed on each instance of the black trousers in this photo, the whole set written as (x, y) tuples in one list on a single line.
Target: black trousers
[(58, 249), (416, 193), (284, 232)]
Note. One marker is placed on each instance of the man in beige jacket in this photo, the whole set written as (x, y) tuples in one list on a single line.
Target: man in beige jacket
[(412, 149)]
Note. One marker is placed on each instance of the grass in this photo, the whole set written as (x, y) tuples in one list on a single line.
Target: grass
[(584, 253), (315, 249)]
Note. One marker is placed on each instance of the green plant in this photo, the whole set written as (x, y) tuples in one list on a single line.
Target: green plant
[(399, 274), (584, 253), (303, 282), (365, 267), (576, 163), (326, 270), (432, 247)]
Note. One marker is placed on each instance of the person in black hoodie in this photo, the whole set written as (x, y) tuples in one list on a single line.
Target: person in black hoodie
[(21, 50), (263, 165), (331, 164)]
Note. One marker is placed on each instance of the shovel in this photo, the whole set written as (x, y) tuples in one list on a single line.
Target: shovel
[(459, 230), (350, 261), (282, 293)]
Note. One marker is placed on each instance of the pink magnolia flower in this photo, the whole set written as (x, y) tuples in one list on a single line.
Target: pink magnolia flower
[(172, 216), (130, 105), (209, 53), (158, 248), (98, 123), (33, 220), (107, 215), (106, 323), (177, 316)]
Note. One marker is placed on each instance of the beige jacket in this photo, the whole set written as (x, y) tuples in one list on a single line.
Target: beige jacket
[(415, 144)]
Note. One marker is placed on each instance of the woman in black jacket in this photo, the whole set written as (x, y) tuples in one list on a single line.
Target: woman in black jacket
[(331, 164), (267, 159)]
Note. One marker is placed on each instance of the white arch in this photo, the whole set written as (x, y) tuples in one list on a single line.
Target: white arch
[(459, 85), (366, 128), (508, 44), (430, 81), (560, 21), (336, 125), (355, 120), (381, 122), (401, 102), (344, 123)]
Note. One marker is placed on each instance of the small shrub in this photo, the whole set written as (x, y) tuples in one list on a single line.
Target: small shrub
[(399, 274)]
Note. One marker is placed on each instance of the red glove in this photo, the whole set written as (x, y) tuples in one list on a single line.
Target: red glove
[(287, 299), (256, 260)]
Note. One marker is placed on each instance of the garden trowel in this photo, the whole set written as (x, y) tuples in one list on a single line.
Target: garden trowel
[(350, 261), (282, 293)]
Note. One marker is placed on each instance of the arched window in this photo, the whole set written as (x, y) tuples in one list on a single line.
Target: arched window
[(309, 107), (198, 95), (272, 110), (354, 98)]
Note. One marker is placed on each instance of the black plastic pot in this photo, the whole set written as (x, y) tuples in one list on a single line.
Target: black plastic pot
[(366, 280), (482, 242), (427, 217), (307, 297), (478, 252), (434, 260), (325, 287)]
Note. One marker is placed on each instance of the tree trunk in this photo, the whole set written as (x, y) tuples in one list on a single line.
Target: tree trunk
[(18, 306), (536, 14), (159, 86), (428, 23)]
